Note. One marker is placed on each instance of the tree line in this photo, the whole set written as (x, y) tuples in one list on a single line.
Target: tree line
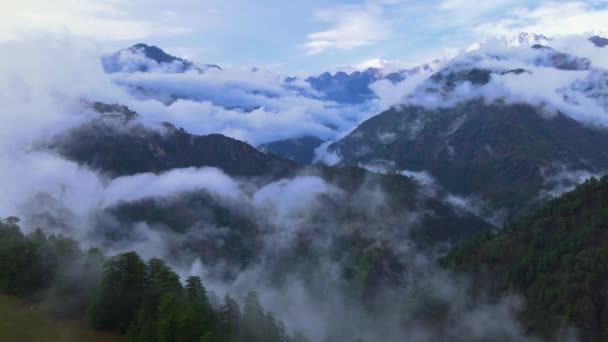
[(145, 301)]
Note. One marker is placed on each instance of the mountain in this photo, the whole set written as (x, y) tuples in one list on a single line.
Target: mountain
[(599, 41), (147, 58), (476, 130), (117, 144), (355, 88), (301, 150), (101, 144), (523, 38), (470, 148), (556, 257), (257, 231)]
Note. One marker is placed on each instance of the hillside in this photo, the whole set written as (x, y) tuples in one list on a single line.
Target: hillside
[(116, 142), (557, 258), (504, 153), (26, 322), (301, 150)]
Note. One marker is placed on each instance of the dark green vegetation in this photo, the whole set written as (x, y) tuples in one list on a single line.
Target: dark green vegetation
[(557, 258), (122, 294), (243, 242), (495, 151), (301, 149), (115, 142)]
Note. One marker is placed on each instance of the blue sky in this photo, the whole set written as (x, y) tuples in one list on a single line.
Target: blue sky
[(298, 36)]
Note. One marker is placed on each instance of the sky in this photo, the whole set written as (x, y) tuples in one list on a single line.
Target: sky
[(297, 36)]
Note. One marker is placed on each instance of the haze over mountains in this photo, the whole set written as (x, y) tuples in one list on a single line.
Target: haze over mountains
[(333, 195)]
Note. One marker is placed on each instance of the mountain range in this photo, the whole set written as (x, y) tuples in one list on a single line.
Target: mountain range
[(460, 200)]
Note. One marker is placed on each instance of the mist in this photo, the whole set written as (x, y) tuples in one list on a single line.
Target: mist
[(46, 86)]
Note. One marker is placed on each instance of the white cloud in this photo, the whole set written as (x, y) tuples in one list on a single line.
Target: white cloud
[(390, 94), (99, 19), (147, 185), (551, 18), (41, 84), (213, 102), (351, 27), (472, 7)]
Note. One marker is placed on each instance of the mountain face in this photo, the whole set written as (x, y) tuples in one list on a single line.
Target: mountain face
[(599, 41), (504, 153), (476, 130), (355, 88), (256, 231), (556, 258), (352, 250), (117, 144), (147, 58), (301, 150)]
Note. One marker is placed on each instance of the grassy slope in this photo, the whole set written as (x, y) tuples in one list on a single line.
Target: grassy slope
[(19, 321)]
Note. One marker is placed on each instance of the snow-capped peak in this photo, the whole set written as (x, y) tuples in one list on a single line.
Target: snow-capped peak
[(521, 39)]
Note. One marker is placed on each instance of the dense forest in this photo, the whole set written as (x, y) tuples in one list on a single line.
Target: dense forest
[(146, 301), (557, 258)]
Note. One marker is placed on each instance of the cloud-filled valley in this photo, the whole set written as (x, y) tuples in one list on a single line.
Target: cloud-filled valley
[(143, 151)]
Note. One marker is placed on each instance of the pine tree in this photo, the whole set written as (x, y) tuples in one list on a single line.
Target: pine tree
[(160, 280), (167, 317), (195, 320), (121, 292), (254, 320), (230, 317)]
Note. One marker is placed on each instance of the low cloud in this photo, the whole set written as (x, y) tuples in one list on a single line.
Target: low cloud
[(544, 77), (149, 185), (560, 179)]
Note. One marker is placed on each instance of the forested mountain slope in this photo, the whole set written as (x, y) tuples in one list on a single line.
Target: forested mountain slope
[(504, 153), (557, 258)]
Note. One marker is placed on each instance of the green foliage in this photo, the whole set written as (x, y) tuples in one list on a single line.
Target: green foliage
[(32, 263), (469, 148), (121, 293), (124, 294), (557, 258)]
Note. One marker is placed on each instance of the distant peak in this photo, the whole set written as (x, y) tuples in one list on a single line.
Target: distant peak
[(140, 46), (522, 39), (155, 53), (119, 61), (599, 41)]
